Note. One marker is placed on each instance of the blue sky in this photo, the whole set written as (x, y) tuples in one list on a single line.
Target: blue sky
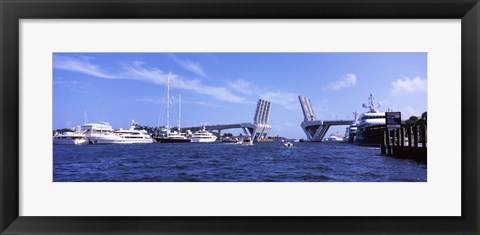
[(222, 88)]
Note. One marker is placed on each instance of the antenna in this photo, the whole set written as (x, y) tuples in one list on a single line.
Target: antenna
[(373, 108), (101, 104)]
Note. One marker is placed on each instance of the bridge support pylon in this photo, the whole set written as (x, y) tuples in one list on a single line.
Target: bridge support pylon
[(314, 129)]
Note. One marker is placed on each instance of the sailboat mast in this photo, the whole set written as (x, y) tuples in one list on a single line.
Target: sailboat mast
[(85, 117), (179, 110), (168, 101)]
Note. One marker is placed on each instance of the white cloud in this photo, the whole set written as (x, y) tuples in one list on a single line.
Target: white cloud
[(138, 71), (287, 100), (242, 86), (347, 80), (409, 85), (151, 101), (190, 66), (72, 85), (207, 104), (80, 64)]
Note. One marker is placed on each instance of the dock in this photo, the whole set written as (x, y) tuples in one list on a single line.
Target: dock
[(408, 142)]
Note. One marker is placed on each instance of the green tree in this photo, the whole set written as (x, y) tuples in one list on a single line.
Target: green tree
[(61, 131), (411, 121), (227, 135)]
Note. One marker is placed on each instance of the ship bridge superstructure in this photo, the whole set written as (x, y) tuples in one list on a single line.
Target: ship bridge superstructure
[(315, 129)]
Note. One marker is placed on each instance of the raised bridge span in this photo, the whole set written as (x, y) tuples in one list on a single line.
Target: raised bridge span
[(313, 128), (258, 129)]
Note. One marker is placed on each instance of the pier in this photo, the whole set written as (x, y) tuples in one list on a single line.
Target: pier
[(406, 142), (316, 129), (257, 130)]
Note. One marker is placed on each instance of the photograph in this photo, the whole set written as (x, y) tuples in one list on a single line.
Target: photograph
[(245, 117), (240, 117)]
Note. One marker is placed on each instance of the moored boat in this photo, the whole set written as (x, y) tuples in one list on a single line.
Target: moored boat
[(103, 133), (371, 124), (335, 137), (75, 137), (203, 136), (166, 135)]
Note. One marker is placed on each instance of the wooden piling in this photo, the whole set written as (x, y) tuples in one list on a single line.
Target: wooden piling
[(415, 136), (409, 134), (384, 143), (402, 137), (423, 133), (394, 143), (389, 147)]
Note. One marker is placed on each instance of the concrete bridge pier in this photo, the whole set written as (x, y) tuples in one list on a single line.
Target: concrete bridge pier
[(315, 129)]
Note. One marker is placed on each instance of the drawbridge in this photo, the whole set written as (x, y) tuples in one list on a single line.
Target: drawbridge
[(257, 130), (316, 129)]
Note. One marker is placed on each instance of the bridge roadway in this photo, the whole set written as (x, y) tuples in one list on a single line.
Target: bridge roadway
[(256, 131), (317, 129)]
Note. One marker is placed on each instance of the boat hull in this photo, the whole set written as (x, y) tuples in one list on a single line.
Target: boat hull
[(203, 140), (170, 140), (371, 135), (117, 140), (71, 141)]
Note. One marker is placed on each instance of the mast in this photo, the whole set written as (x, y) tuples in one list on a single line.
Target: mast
[(85, 118), (179, 110), (168, 101)]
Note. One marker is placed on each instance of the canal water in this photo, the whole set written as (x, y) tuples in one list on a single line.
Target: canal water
[(228, 162)]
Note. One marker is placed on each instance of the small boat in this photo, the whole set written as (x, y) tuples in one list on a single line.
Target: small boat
[(229, 140), (77, 137), (335, 138), (288, 144), (247, 141)]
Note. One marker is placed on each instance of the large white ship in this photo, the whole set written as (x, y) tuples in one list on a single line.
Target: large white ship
[(371, 124), (103, 133), (203, 136), (351, 130)]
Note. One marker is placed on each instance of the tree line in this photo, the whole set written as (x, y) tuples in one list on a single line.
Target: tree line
[(416, 121)]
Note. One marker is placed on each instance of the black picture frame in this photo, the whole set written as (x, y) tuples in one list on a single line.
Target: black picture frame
[(11, 11)]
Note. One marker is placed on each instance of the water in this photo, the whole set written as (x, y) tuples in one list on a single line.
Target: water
[(227, 162)]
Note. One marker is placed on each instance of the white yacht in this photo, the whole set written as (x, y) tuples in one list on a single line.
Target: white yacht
[(371, 124), (335, 137), (134, 135), (76, 137), (203, 136), (168, 136), (103, 133), (351, 130)]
